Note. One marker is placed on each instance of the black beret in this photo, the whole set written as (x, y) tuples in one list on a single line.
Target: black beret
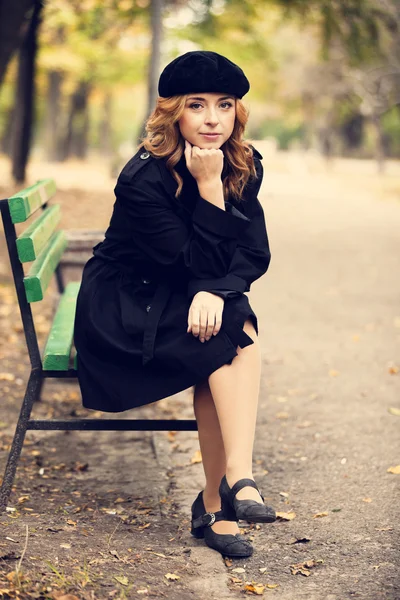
[(202, 71)]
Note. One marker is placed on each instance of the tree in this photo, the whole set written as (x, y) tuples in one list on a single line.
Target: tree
[(25, 93), (13, 17)]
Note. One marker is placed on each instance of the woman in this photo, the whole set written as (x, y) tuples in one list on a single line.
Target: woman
[(162, 306)]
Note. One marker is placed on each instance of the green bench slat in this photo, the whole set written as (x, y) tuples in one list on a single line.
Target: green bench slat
[(24, 203), (42, 269), (32, 241), (58, 347)]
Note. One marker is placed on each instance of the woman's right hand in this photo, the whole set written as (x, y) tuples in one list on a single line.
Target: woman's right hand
[(205, 164)]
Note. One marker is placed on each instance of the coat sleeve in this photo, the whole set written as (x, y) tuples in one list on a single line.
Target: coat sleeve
[(252, 254), (203, 250)]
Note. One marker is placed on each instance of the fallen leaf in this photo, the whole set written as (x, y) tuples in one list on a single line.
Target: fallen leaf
[(304, 567), (66, 546), (320, 515), (7, 377), (262, 569), (196, 458), (228, 562), (394, 470), (171, 576), (171, 436), (123, 580), (282, 415), (142, 591), (286, 516), (236, 580), (394, 411), (367, 500), (255, 588), (239, 570), (272, 586)]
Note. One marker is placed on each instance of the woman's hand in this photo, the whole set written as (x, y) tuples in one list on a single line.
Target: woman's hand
[(204, 164), (205, 315)]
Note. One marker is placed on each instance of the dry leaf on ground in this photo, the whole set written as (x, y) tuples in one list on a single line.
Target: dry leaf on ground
[(123, 580), (394, 411), (304, 567), (255, 588), (171, 576), (286, 516), (394, 470), (320, 515), (196, 458)]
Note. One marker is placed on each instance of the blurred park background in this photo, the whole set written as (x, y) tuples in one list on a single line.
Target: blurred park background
[(79, 77)]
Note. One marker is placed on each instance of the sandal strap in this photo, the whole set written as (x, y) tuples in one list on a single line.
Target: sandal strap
[(208, 519), (241, 484)]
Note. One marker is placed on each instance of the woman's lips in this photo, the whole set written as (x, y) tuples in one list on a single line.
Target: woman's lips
[(211, 136)]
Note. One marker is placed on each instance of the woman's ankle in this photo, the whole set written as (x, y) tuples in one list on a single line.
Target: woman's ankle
[(234, 474)]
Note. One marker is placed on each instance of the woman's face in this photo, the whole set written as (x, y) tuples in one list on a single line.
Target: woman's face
[(208, 119)]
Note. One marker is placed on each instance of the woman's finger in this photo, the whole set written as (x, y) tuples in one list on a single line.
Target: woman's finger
[(203, 324), (195, 314), (210, 325)]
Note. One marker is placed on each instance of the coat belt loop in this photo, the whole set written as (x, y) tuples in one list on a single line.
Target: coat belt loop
[(159, 302)]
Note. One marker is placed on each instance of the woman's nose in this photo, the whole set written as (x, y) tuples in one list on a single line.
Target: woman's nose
[(211, 117)]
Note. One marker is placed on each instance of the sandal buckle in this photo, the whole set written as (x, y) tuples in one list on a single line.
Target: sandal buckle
[(212, 516)]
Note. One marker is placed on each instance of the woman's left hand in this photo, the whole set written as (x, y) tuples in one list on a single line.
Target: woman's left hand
[(205, 315)]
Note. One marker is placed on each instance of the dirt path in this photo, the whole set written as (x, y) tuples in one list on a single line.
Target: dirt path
[(108, 515)]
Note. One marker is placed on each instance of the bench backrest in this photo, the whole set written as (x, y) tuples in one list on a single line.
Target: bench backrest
[(39, 244)]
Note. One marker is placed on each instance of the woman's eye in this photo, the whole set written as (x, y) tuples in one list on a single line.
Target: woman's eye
[(194, 105), (227, 104)]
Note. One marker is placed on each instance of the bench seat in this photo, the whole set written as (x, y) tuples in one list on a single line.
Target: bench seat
[(58, 347)]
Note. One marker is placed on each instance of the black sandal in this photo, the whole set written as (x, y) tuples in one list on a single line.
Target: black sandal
[(248, 510), (233, 545)]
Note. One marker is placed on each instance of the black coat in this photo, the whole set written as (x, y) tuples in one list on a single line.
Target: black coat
[(159, 251)]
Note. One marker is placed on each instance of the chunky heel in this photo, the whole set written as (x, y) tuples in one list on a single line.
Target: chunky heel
[(197, 532)]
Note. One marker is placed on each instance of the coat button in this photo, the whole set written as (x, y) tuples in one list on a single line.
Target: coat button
[(145, 280), (148, 307), (145, 155)]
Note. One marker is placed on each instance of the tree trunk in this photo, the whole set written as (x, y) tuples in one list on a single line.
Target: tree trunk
[(75, 142), (379, 144), (105, 128), (6, 138), (12, 19), (52, 133), (154, 67), (24, 104)]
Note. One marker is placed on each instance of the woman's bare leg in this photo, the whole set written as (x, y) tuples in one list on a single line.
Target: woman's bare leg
[(213, 453), (235, 390)]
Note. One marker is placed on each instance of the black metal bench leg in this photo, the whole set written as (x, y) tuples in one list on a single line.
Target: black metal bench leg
[(32, 393)]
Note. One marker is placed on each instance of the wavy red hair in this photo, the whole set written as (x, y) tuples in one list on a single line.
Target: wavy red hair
[(164, 140)]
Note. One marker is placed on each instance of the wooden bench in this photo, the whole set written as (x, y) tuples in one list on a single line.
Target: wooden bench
[(42, 245)]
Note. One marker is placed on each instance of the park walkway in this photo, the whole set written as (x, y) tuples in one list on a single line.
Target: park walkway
[(329, 317)]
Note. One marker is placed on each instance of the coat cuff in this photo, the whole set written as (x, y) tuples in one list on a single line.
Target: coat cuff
[(226, 223), (230, 282)]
